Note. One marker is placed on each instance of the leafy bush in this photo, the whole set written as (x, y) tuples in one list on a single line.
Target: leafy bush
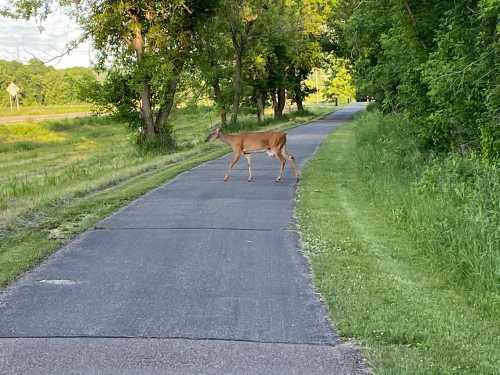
[(449, 204)]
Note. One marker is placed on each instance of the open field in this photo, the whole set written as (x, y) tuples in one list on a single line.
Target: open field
[(373, 267), (59, 178)]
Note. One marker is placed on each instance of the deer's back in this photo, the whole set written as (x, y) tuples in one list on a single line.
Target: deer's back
[(262, 140)]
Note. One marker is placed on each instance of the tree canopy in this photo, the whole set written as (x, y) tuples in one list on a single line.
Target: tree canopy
[(436, 61)]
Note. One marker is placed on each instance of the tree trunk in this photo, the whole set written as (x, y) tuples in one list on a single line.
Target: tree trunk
[(146, 111), (236, 87), (239, 40), (414, 24), (137, 42), (300, 104), (219, 101), (260, 106), (280, 104), (492, 26), (166, 108), (275, 102), (162, 130)]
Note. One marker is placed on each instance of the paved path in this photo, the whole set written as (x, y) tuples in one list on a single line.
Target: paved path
[(196, 277), (4, 120)]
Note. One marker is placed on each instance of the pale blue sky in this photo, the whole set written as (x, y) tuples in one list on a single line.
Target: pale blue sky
[(23, 40)]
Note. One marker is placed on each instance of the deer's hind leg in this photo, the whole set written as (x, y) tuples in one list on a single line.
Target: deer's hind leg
[(236, 157), (287, 156), (282, 160)]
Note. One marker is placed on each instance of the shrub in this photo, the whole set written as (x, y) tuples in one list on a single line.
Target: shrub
[(449, 203)]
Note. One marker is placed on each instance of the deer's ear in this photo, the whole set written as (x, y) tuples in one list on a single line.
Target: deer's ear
[(210, 135)]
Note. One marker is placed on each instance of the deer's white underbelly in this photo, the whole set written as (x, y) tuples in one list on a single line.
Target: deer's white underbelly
[(269, 153)]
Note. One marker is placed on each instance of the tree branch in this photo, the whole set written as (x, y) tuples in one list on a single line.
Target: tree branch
[(70, 46), (414, 23)]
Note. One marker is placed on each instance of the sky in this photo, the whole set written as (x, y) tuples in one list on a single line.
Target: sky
[(23, 40)]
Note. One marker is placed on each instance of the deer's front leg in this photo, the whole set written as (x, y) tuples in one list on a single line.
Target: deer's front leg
[(231, 164), (249, 161)]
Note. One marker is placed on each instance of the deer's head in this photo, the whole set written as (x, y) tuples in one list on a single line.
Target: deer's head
[(214, 134)]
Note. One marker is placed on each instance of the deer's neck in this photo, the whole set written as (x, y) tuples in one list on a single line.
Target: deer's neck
[(226, 138)]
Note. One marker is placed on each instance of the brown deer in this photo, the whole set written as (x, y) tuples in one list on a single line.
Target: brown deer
[(274, 143)]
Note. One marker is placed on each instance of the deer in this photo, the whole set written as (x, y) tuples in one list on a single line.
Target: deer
[(273, 143)]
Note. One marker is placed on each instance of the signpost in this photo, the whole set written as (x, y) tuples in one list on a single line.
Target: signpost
[(13, 91)]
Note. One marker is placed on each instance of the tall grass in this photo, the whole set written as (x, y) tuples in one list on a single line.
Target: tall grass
[(449, 204)]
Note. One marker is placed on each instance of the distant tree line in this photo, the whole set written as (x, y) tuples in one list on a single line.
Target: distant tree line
[(436, 61), (43, 85)]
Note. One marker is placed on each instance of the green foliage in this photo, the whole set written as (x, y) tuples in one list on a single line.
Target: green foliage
[(437, 61), (43, 85), (115, 95), (339, 85), (448, 204), (252, 51), (292, 48)]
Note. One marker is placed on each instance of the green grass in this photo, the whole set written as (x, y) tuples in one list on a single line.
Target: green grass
[(382, 286), (44, 109), (448, 204), (59, 178)]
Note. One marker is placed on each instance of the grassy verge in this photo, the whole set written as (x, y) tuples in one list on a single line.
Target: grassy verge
[(44, 110), (59, 178), (411, 312)]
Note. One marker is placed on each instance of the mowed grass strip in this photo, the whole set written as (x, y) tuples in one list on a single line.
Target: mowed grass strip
[(59, 178), (44, 109), (379, 290)]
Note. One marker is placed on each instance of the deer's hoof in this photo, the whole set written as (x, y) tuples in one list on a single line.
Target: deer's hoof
[(226, 178), (250, 179)]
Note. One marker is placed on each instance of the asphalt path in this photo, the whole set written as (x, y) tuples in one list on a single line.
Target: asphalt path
[(197, 276)]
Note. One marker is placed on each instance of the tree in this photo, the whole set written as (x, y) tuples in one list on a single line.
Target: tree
[(257, 78), (339, 85), (149, 41), (291, 32), (305, 59), (240, 17), (212, 56)]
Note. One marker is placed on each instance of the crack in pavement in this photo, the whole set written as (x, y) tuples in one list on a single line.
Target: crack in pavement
[(186, 228)]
